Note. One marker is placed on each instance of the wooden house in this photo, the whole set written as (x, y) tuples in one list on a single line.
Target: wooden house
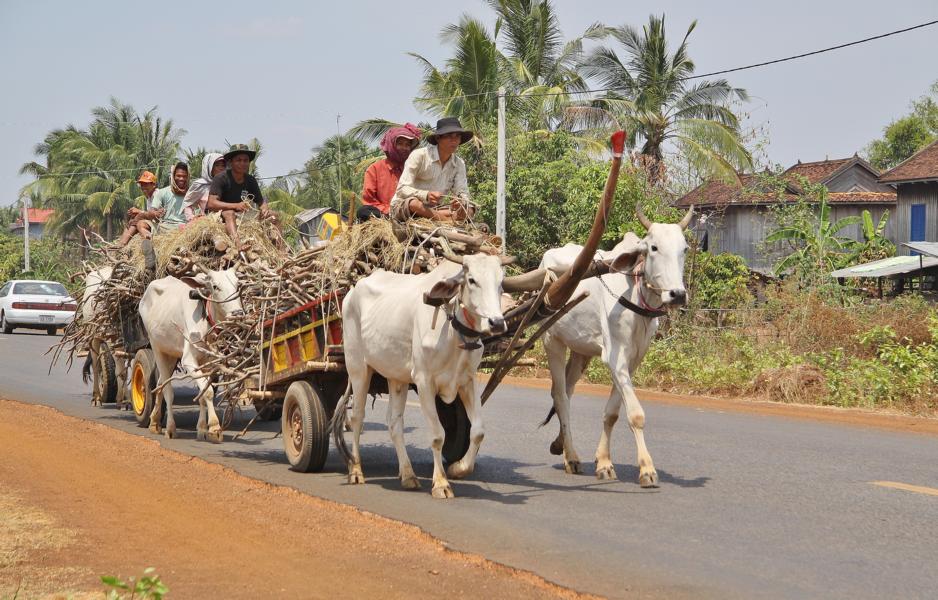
[(736, 218), (916, 183)]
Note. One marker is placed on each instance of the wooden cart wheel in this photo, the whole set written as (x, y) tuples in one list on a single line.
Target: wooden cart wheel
[(143, 380), (456, 424), (304, 426), (103, 376)]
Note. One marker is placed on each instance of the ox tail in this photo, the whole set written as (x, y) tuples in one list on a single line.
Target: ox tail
[(550, 415), (86, 370), (337, 424)]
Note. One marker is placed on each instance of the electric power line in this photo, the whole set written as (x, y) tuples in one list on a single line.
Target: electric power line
[(702, 75), (544, 94)]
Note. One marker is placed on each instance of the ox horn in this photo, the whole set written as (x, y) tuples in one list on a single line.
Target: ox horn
[(507, 260), (526, 282), (646, 223), (561, 290), (452, 256), (686, 220)]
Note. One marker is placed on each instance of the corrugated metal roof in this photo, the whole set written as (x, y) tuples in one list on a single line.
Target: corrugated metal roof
[(926, 248), (896, 265)]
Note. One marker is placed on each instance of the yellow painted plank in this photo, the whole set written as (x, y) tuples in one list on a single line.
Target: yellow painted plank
[(295, 332), (918, 489)]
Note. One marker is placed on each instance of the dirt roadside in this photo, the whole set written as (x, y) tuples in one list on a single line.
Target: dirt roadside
[(79, 500)]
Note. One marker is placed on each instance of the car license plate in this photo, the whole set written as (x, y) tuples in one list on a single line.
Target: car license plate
[(45, 318)]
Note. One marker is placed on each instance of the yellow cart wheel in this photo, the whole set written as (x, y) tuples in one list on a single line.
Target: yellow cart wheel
[(143, 379)]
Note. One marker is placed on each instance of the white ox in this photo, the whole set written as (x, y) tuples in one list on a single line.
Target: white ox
[(649, 273), (89, 308), (388, 329), (175, 322)]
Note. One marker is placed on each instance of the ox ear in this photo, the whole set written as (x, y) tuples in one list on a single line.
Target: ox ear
[(198, 281), (625, 261), (443, 291)]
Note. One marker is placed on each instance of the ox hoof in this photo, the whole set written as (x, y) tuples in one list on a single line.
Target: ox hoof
[(572, 467), (201, 435), (356, 477), (156, 429), (442, 491), (170, 433), (216, 437), (458, 470), (556, 447), (606, 472), (410, 483), (648, 479)]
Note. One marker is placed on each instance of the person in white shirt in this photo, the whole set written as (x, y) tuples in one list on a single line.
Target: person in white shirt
[(433, 183)]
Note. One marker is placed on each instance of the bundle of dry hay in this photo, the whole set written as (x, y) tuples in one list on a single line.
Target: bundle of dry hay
[(204, 242), (269, 289)]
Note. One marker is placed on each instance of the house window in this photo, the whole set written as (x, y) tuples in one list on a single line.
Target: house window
[(917, 223)]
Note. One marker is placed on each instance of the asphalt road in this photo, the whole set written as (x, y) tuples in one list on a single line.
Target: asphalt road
[(749, 506)]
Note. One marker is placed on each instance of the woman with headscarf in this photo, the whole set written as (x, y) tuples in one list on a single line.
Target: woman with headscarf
[(381, 177), (197, 197)]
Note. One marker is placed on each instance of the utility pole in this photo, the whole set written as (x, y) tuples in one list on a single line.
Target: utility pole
[(25, 233), (338, 173), (500, 179)]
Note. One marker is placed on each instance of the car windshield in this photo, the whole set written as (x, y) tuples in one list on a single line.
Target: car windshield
[(40, 288)]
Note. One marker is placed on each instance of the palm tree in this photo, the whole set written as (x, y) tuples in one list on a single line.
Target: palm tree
[(542, 69), (89, 175), (466, 87), (649, 93), (333, 176)]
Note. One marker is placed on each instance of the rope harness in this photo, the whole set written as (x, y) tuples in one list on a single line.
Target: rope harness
[(642, 308)]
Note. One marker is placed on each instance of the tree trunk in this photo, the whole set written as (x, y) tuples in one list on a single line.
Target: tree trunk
[(108, 235)]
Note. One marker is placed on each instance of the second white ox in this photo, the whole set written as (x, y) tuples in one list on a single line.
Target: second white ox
[(175, 322), (389, 330), (96, 347), (649, 275)]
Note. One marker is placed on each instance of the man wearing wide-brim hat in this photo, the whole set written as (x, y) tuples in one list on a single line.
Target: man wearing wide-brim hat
[(434, 177), (234, 190)]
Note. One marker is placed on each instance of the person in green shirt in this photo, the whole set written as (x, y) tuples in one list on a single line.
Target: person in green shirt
[(172, 199)]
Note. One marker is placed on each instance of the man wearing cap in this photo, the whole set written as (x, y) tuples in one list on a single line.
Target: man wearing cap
[(140, 221), (382, 176), (435, 173), (234, 190)]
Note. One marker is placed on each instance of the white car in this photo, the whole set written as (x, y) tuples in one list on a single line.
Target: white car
[(33, 304)]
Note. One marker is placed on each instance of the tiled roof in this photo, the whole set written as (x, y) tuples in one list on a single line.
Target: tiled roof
[(818, 172), (861, 197), (921, 166), (717, 193), (37, 215)]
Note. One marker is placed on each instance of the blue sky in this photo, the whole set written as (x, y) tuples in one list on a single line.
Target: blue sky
[(282, 71)]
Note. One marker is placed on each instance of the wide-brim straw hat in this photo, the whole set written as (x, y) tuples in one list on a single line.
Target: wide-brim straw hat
[(450, 125), (240, 149)]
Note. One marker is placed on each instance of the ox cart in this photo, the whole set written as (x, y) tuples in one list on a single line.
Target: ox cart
[(303, 376)]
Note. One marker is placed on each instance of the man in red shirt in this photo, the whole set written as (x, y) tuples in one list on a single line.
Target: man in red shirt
[(382, 176)]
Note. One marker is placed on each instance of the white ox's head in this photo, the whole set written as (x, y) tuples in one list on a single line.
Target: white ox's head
[(218, 287), (664, 249), (478, 286)]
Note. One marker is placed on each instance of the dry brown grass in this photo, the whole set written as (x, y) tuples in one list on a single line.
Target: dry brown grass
[(807, 323), (797, 383)]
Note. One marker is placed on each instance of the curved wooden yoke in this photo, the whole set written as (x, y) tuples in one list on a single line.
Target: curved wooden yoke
[(561, 290)]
